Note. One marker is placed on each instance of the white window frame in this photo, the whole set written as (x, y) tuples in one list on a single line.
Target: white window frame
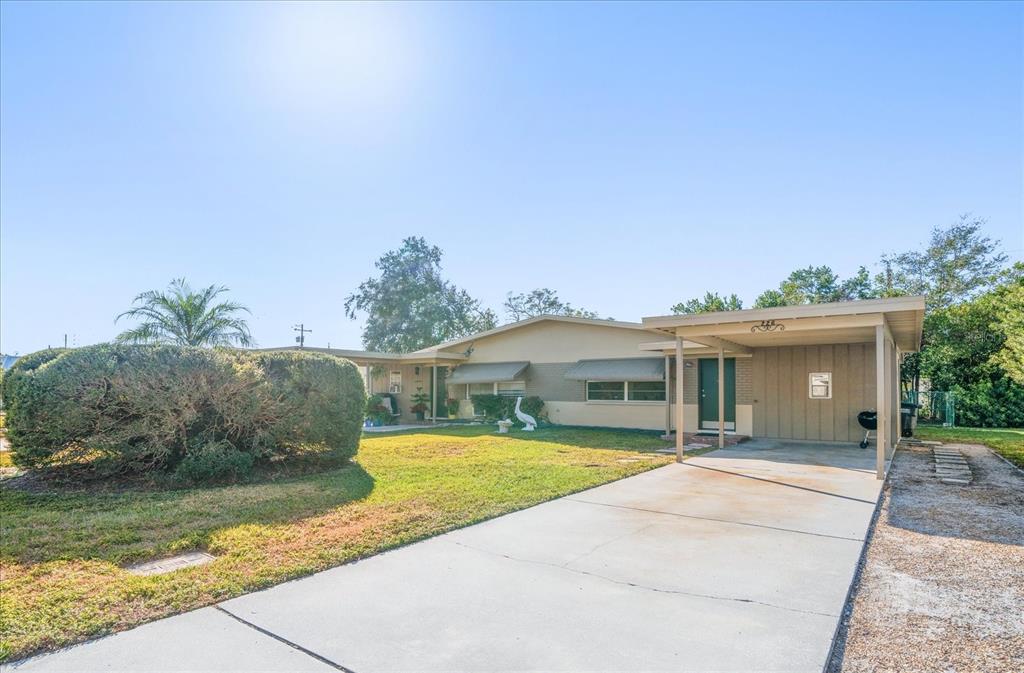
[(393, 387), (812, 384)]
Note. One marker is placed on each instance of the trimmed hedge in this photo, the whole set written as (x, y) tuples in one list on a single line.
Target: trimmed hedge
[(206, 414)]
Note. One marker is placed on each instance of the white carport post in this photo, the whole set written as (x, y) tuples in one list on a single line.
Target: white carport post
[(433, 393), (680, 368), (369, 380), (881, 385), (898, 384), (668, 396), (721, 397)]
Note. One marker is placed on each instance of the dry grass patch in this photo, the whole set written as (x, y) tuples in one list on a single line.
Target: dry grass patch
[(62, 554)]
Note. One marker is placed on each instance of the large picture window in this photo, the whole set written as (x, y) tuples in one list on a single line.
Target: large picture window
[(625, 391)]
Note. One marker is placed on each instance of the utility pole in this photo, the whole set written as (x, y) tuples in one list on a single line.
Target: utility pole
[(301, 329)]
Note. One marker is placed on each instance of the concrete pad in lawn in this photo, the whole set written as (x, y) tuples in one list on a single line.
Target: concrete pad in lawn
[(202, 640)]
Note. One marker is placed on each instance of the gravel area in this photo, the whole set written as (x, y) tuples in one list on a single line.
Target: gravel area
[(942, 585)]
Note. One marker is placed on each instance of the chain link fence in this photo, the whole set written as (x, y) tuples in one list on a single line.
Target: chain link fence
[(934, 407)]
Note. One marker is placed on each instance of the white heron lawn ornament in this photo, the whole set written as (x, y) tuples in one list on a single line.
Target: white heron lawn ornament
[(529, 421)]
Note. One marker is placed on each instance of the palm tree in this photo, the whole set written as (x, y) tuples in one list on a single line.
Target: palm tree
[(186, 318)]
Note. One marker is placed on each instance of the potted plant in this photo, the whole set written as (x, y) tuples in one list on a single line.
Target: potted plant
[(419, 403), (453, 407)]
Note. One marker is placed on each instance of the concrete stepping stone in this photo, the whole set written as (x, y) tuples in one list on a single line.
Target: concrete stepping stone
[(951, 467), (166, 565)]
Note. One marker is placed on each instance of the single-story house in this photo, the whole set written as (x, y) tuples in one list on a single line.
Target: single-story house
[(792, 372)]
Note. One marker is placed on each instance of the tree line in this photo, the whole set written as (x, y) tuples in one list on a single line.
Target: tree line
[(973, 333), (973, 342)]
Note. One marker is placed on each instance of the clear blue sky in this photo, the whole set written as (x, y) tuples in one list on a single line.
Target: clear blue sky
[(627, 155)]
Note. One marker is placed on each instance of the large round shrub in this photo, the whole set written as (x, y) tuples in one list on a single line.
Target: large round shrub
[(323, 399), (206, 413)]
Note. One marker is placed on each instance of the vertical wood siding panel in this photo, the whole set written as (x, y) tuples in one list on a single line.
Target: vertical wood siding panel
[(759, 393), (825, 407), (813, 409), (857, 392), (841, 392), (772, 393), (798, 405), (785, 386)]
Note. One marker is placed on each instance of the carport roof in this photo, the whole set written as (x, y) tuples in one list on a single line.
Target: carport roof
[(838, 322)]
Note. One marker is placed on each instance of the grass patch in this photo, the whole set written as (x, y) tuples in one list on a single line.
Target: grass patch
[(62, 553), (1007, 442)]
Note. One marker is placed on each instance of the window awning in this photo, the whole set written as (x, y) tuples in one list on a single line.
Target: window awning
[(628, 369), (487, 372)]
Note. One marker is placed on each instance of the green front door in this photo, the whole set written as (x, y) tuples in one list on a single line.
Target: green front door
[(709, 394)]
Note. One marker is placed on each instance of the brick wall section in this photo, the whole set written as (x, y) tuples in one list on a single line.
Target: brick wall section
[(744, 381), (547, 381)]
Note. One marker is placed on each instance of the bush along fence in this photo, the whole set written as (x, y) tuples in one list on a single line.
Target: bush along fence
[(199, 413)]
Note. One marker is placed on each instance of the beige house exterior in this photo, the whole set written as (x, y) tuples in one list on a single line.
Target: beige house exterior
[(794, 373)]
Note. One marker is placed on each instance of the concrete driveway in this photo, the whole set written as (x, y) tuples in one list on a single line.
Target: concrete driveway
[(737, 560)]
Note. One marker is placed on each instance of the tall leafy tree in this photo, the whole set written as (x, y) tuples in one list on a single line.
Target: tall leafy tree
[(817, 285), (958, 263), (410, 305), (542, 301), (185, 317), (710, 303), (1009, 323)]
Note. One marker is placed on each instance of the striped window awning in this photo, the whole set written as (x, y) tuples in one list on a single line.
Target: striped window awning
[(628, 369)]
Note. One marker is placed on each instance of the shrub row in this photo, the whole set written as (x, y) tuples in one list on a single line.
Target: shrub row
[(497, 407), (204, 414)]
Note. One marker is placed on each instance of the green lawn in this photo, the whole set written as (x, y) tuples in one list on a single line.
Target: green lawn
[(61, 554), (1007, 442)]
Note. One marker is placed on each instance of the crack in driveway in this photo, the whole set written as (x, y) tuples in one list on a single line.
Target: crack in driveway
[(289, 643), (635, 585)]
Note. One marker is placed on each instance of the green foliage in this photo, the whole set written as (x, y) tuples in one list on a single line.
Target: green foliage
[(419, 401), (499, 407), (133, 408), (20, 371), (1009, 322), (213, 462), (542, 301), (183, 317), (453, 406), (376, 411), (321, 399), (711, 303), (817, 285), (994, 402), (410, 306), (966, 346), (957, 264)]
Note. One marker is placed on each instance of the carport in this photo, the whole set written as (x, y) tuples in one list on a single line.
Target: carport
[(811, 368)]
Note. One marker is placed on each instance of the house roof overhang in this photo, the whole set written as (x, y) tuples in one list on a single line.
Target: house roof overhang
[(835, 323), (425, 357)]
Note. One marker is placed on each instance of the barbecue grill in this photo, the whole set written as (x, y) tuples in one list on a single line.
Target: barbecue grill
[(869, 421)]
